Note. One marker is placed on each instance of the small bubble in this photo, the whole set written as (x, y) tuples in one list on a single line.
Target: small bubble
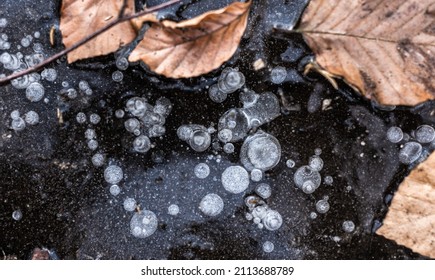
[(38, 48), (200, 140), (94, 118), (313, 215), (256, 175), (15, 114), (122, 63), (225, 135), (37, 34), (25, 42), (268, 247), (142, 144), (272, 220), (202, 170), (317, 151), (119, 113), (88, 92), (290, 163), (156, 131), (65, 84), (410, 152), (348, 226), (3, 22), (115, 190), (81, 117), (131, 124), (163, 107), (216, 95), (278, 74), (137, 106), (83, 85), (130, 204), (322, 206), (113, 174), (31, 117), (72, 93), (394, 134), (173, 209), (211, 205), (18, 124), (98, 159), (90, 134), (229, 148), (117, 76), (17, 215), (230, 80), (328, 180), (93, 144), (316, 163), (425, 134), (49, 74), (35, 92), (263, 190)]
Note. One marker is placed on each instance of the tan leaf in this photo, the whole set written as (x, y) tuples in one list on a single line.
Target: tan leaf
[(192, 47), (82, 18), (384, 48), (411, 217)]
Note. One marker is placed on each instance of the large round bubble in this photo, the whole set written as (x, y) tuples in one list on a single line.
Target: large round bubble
[(261, 151), (211, 205), (235, 179), (143, 224)]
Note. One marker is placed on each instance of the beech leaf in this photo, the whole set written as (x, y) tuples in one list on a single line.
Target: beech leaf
[(385, 49), (192, 47), (410, 220), (82, 18)]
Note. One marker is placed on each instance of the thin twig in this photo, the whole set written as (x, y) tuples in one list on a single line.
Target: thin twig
[(122, 10), (86, 39)]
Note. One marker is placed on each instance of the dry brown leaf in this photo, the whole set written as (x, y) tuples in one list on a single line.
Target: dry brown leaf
[(411, 217), (192, 47), (384, 48), (82, 18)]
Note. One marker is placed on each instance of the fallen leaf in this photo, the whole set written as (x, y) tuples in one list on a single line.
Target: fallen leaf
[(386, 49), (192, 47), (410, 220), (82, 18)]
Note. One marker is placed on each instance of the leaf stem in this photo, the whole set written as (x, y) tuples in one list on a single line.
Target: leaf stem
[(87, 39)]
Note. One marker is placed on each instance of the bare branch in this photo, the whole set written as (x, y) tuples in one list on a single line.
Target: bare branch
[(123, 7), (86, 39)]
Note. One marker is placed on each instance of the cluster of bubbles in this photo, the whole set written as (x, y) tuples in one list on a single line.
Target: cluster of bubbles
[(307, 177), (18, 122), (197, 136), (257, 110), (145, 121), (411, 145), (17, 62), (261, 214), (230, 80), (122, 65)]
